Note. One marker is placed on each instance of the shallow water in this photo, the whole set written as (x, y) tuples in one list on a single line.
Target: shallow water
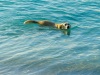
[(34, 50)]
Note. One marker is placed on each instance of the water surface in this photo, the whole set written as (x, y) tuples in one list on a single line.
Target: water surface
[(34, 50)]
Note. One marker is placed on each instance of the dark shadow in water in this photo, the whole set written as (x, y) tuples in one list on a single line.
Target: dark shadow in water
[(66, 31), (42, 28)]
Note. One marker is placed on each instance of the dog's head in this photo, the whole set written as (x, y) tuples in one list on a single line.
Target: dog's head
[(65, 26)]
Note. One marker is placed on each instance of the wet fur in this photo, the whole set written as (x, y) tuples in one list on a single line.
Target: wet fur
[(46, 23)]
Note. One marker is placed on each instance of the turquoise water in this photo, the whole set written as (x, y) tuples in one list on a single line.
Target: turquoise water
[(34, 50)]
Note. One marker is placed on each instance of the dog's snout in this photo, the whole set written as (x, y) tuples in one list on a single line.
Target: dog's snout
[(68, 26)]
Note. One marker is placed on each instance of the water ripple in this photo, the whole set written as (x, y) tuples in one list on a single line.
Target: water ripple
[(34, 50)]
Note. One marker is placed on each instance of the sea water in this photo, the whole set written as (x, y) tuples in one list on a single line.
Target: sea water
[(34, 50)]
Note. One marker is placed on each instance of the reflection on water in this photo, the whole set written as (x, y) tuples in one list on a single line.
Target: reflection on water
[(63, 31), (66, 31)]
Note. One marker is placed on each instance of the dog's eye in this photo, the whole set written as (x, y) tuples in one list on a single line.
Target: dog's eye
[(65, 24)]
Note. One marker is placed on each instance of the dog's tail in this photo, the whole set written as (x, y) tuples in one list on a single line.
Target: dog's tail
[(30, 21)]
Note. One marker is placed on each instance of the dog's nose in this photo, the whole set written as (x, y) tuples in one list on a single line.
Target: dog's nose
[(68, 26)]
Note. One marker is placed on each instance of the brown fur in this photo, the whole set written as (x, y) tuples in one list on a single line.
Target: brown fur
[(46, 23)]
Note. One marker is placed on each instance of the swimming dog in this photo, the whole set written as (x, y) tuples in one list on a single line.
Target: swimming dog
[(48, 23)]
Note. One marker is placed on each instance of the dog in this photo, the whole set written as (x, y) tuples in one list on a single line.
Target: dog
[(48, 23), (64, 27)]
